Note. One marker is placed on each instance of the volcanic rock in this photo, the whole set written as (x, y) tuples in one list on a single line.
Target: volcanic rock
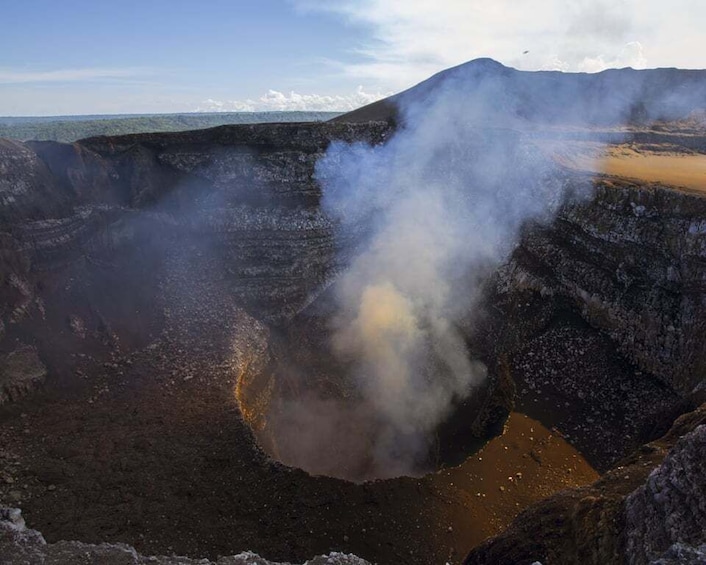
[(670, 508), (20, 372), (20, 545)]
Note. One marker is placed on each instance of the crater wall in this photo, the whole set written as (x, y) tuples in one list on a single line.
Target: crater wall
[(88, 230), (632, 261)]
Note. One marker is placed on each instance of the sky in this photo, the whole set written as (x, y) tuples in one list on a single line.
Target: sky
[(152, 56)]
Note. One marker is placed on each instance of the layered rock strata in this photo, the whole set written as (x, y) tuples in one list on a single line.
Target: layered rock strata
[(632, 262)]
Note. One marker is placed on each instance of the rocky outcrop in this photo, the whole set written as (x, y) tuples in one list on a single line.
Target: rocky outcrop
[(20, 545), (262, 163), (20, 372), (27, 187), (680, 554), (670, 508)]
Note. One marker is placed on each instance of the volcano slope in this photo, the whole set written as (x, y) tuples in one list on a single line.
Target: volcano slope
[(153, 286)]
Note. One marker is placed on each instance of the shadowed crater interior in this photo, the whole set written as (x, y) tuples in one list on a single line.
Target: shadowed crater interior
[(305, 407)]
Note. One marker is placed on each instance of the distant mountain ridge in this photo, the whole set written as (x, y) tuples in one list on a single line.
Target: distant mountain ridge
[(609, 98)]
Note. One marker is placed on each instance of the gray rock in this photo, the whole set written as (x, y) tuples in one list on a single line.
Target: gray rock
[(20, 545), (681, 554), (20, 372), (671, 507)]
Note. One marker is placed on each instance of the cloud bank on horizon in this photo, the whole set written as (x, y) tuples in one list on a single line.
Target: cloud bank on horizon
[(275, 101)]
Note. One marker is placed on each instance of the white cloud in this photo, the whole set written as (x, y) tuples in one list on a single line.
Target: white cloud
[(274, 101), (15, 76), (631, 55), (412, 39)]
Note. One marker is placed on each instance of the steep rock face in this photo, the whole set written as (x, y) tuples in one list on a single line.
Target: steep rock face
[(27, 187), (270, 163), (633, 263), (670, 507), (248, 194), (81, 173)]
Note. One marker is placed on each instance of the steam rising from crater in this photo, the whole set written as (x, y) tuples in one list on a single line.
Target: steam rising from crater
[(426, 217)]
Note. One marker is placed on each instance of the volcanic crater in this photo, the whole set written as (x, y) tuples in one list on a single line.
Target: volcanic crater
[(167, 305)]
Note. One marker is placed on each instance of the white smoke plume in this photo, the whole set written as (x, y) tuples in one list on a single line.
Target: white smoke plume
[(442, 203)]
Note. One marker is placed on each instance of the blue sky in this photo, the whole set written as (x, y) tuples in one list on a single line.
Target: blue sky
[(83, 57), (132, 55)]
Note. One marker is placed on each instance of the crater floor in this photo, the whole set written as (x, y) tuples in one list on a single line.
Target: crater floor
[(153, 451)]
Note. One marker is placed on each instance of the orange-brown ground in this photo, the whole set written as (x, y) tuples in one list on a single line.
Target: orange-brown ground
[(668, 165), (527, 463)]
